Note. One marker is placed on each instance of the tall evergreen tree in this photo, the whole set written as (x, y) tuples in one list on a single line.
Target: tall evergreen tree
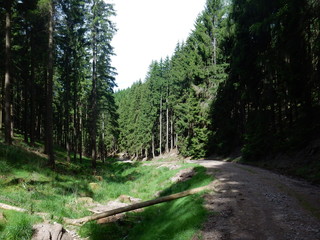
[(102, 31)]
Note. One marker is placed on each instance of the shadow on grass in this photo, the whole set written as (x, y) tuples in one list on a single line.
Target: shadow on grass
[(16, 158), (13, 157), (28, 173), (173, 220), (178, 219)]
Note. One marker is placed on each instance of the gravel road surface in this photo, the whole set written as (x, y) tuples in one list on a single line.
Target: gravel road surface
[(253, 204)]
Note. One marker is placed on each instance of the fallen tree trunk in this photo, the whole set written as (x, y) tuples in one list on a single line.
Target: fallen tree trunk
[(17, 209), (13, 208), (135, 206)]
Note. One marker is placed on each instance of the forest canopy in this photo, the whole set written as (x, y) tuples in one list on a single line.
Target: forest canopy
[(246, 78)]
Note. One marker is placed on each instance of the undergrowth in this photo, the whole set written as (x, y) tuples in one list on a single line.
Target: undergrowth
[(27, 182), (17, 226)]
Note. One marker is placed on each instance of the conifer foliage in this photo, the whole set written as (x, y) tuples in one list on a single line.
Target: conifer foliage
[(170, 109), (247, 77), (59, 57)]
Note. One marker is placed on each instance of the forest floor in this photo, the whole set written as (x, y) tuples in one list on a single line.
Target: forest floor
[(253, 203), (73, 191)]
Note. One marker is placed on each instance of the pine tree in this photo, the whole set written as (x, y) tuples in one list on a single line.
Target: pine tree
[(102, 31)]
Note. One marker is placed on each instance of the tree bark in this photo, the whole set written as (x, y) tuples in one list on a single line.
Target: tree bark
[(153, 152), (176, 141), (102, 139), (75, 121), (135, 206), (94, 115), (32, 89), (7, 80), (171, 133), (160, 121), (80, 133), (49, 97), (167, 130), (67, 105)]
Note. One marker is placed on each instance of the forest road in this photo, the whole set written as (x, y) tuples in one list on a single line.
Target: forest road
[(254, 204)]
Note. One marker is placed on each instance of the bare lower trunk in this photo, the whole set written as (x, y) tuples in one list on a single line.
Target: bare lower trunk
[(153, 153), (171, 133), (160, 133), (68, 147), (49, 115), (26, 103), (176, 141), (102, 139), (94, 114), (167, 132), (80, 134), (12, 122), (7, 80)]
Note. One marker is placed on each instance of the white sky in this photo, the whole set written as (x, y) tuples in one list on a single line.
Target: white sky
[(149, 30)]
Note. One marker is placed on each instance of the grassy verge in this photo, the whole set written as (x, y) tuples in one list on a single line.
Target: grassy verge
[(26, 182)]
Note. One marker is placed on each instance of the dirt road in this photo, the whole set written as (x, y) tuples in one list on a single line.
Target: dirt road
[(255, 204)]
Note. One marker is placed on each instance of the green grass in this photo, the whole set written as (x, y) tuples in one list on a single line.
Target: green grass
[(176, 220), (18, 226), (25, 181)]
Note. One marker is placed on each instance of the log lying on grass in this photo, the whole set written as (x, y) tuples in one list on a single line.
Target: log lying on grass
[(13, 208), (43, 215), (97, 216)]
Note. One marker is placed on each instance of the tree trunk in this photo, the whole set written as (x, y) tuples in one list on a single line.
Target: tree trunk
[(153, 152), (7, 80), (93, 120), (49, 97), (171, 134), (67, 79), (12, 122), (1, 104), (80, 134), (215, 52), (176, 141), (38, 126), (75, 122), (26, 86), (135, 206), (167, 130), (102, 140), (160, 133)]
